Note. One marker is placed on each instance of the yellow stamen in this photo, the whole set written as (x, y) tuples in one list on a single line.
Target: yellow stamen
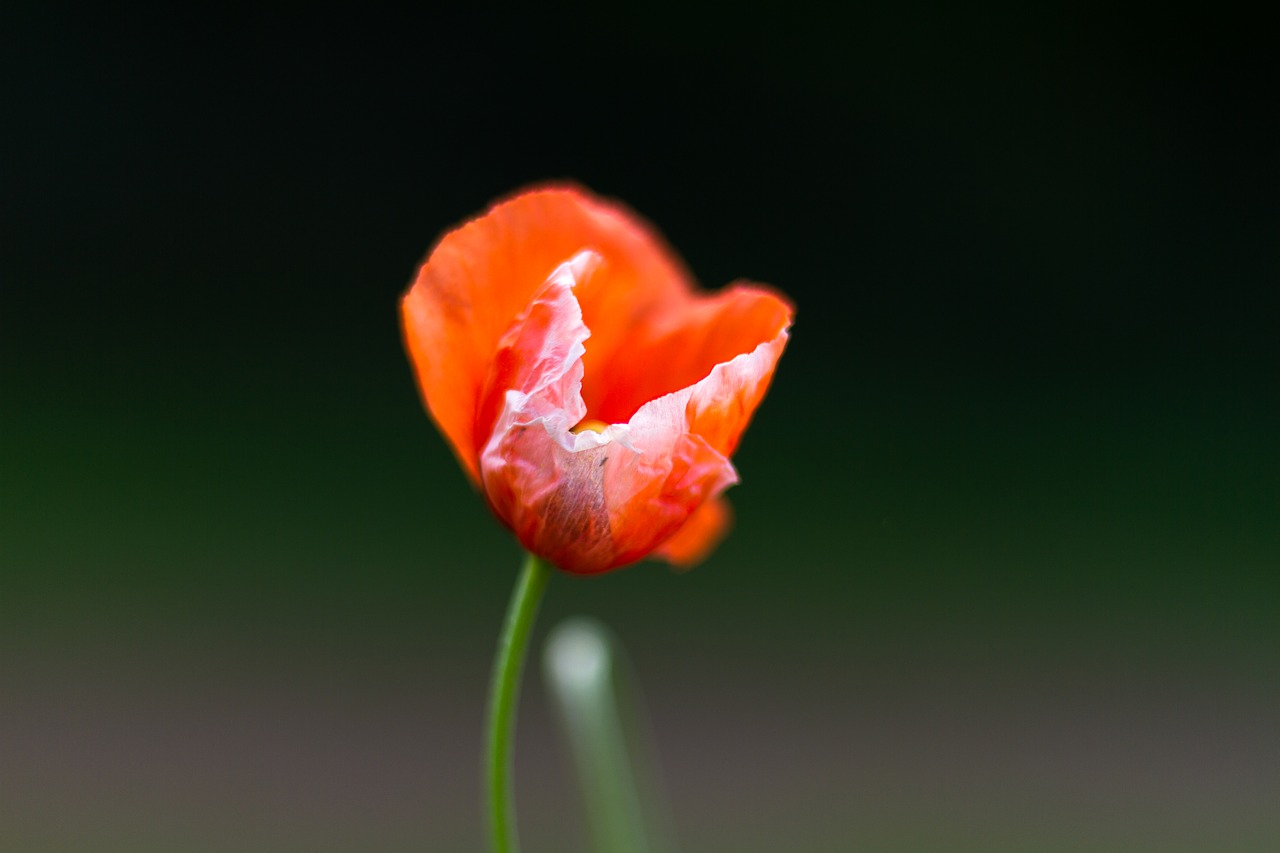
[(591, 424)]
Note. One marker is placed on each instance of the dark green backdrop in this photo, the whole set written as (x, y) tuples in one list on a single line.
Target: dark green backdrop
[(1005, 568)]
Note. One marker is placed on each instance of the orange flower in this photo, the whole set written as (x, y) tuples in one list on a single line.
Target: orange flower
[(587, 387)]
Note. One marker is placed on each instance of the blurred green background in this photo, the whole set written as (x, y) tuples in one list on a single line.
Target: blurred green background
[(1004, 574)]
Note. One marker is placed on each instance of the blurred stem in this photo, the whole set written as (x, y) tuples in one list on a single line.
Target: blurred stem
[(504, 690), (604, 720)]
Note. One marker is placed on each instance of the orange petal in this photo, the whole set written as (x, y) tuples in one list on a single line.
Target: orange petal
[(480, 276), (682, 347), (720, 406), (699, 536), (685, 437)]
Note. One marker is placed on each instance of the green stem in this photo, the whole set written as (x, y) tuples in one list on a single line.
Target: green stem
[(504, 690)]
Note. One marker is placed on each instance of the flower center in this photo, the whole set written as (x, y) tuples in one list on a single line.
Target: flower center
[(590, 424)]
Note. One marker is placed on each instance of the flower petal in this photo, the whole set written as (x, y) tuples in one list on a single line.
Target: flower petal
[(483, 274), (694, 335), (699, 536), (718, 407)]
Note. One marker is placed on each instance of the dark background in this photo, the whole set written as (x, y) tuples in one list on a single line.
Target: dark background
[(1005, 568)]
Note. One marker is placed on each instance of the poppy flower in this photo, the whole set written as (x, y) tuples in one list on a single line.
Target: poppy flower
[(589, 389)]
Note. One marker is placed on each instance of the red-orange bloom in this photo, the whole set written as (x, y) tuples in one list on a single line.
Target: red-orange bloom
[(587, 387)]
